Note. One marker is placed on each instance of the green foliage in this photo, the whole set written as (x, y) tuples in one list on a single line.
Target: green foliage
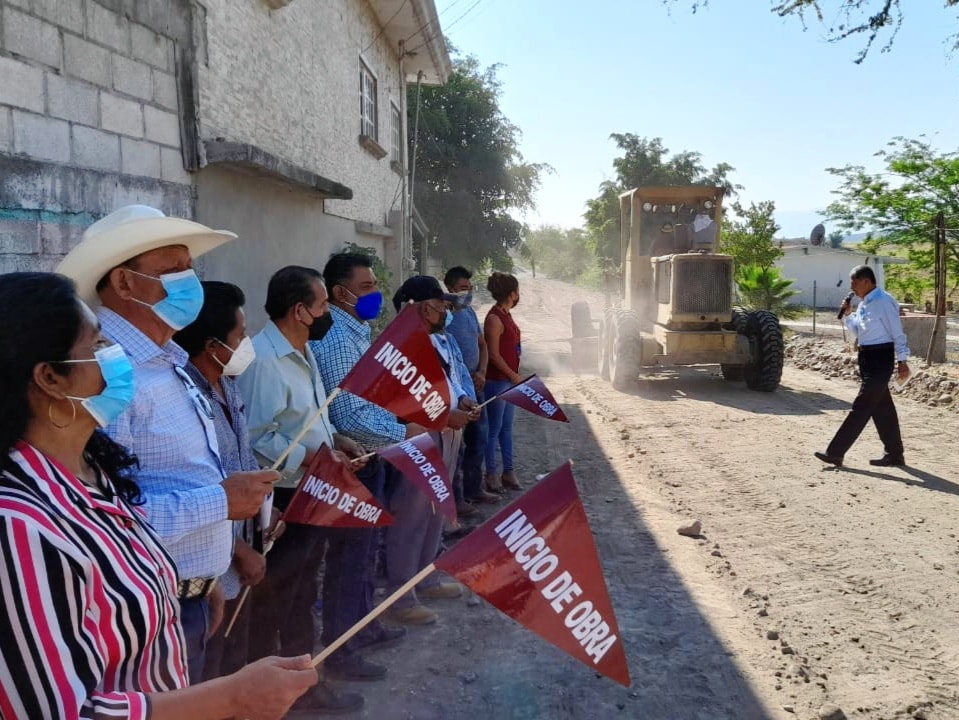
[(644, 162), (901, 203), (560, 254), (470, 174), (765, 289), (848, 18), (748, 235), (835, 239), (901, 280), (384, 279)]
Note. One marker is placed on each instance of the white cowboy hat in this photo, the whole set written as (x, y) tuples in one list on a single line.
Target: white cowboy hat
[(126, 233)]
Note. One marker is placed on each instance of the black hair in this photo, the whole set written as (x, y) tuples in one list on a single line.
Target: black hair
[(863, 271), (289, 287), (455, 273), (500, 285), (339, 268), (41, 322), (217, 317)]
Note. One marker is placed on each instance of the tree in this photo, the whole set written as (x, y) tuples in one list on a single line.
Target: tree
[(562, 254), (644, 162), (470, 173), (835, 239), (900, 205), (765, 289), (860, 18), (748, 235)]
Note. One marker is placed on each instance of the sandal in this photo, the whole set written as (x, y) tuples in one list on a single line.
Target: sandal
[(494, 485), (509, 481)]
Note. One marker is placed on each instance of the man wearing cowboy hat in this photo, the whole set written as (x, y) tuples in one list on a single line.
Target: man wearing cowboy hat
[(138, 264)]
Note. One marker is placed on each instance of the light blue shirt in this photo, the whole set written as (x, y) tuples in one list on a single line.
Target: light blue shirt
[(461, 383), (169, 427), (283, 391), (466, 329), (335, 355), (876, 321)]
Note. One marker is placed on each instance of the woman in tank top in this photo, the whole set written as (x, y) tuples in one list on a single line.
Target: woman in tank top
[(504, 343)]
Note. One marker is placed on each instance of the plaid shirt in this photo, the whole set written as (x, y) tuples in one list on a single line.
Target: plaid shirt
[(169, 427), (336, 354), (233, 439)]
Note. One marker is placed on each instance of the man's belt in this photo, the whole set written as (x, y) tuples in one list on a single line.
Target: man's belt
[(195, 588)]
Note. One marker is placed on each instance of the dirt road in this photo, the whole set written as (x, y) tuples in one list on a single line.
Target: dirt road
[(812, 587)]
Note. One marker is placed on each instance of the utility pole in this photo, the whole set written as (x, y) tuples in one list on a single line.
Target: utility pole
[(939, 274)]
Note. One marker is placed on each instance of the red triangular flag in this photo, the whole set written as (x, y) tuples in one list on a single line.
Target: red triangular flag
[(401, 372), (422, 464), (532, 395), (330, 495), (537, 562)]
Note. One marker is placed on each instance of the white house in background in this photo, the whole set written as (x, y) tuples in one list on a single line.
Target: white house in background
[(828, 269)]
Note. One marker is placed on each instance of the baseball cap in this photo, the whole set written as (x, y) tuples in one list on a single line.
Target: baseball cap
[(419, 288)]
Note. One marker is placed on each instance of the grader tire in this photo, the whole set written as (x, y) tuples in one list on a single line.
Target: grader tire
[(581, 321), (604, 344), (626, 350), (765, 335)]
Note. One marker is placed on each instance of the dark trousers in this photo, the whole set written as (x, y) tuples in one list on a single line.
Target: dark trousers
[(474, 448), (283, 601), (226, 655), (195, 620), (876, 365), (348, 577)]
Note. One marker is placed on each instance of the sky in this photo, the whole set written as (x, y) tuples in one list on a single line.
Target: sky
[(732, 81)]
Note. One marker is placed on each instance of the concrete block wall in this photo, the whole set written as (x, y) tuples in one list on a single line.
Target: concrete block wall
[(88, 99), (287, 81)]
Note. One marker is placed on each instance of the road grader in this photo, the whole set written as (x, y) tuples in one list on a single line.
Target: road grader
[(675, 305)]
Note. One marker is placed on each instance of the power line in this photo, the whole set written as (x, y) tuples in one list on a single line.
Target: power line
[(448, 27), (385, 25)]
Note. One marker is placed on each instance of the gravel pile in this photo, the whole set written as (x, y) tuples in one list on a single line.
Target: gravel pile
[(937, 386)]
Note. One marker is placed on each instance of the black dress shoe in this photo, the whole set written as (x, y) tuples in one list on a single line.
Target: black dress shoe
[(322, 699), (353, 667), (381, 637), (889, 461), (830, 459)]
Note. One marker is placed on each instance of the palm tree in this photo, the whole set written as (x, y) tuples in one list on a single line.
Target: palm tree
[(765, 289)]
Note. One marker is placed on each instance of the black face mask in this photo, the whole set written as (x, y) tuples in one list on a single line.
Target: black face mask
[(321, 326)]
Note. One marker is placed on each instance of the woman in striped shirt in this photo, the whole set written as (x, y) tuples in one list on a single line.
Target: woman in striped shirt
[(88, 609)]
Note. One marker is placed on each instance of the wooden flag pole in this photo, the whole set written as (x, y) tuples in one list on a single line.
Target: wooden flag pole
[(362, 457), (372, 615), (305, 430), (487, 402), (279, 461)]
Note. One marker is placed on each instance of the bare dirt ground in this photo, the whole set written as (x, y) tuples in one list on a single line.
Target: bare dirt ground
[(811, 587)]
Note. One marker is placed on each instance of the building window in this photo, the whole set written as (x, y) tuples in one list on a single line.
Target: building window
[(368, 124), (396, 147)]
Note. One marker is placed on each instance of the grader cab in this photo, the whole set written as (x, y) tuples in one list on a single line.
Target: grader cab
[(676, 306)]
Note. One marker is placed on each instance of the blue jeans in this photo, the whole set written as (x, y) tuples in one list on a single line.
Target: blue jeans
[(195, 620), (474, 449), (499, 414)]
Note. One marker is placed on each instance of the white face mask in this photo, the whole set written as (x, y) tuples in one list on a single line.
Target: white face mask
[(240, 359)]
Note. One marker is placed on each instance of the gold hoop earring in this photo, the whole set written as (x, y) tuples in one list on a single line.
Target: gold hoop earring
[(55, 423)]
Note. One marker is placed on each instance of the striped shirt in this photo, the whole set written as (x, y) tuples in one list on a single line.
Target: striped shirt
[(88, 609), (169, 427), (336, 354)]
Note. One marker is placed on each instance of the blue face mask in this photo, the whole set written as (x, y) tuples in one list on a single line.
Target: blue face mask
[(367, 306), (118, 394), (468, 299), (183, 301), (449, 318)]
